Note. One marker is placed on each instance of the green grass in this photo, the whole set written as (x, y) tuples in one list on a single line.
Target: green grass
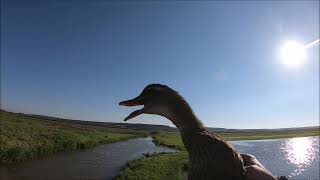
[(170, 166), (172, 140), (156, 167), (24, 138)]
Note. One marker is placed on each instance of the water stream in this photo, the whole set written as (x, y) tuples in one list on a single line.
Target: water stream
[(101, 162)]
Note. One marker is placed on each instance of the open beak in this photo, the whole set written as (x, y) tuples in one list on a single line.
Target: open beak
[(133, 102)]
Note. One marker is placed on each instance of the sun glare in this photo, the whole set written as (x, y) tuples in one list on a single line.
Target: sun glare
[(300, 152), (293, 54)]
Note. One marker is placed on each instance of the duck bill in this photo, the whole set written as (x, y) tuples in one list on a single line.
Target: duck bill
[(133, 102), (134, 114)]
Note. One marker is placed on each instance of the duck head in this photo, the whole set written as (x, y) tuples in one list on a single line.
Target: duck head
[(156, 99)]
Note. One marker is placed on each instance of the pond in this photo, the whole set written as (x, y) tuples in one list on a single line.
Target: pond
[(296, 158)]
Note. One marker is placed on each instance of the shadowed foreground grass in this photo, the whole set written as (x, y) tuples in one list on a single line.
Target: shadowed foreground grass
[(156, 167), (170, 166), (24, 138)]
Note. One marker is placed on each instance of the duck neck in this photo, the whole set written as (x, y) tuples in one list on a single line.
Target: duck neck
[(186, 121)]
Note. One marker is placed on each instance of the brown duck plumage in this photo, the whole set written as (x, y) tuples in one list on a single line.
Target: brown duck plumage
[(210, 157)]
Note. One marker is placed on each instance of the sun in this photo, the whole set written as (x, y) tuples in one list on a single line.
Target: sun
[(293, 54)]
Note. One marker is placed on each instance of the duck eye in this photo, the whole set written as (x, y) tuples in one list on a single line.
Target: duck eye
[(147, 92)]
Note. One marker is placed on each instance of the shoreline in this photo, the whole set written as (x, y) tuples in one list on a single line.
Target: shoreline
[(24, 138)]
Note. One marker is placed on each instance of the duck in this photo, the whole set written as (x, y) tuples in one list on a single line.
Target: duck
[(210, 156)]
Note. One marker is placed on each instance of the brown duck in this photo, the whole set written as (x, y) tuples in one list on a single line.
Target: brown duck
[(210, 156)]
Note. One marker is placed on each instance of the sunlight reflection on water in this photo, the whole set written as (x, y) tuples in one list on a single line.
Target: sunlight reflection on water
[(300, 152)]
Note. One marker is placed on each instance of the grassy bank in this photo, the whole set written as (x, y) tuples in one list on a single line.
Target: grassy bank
[(24, 138), (170, 166), (173, 140)]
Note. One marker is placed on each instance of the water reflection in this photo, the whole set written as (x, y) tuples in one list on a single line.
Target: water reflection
[(300, 152)]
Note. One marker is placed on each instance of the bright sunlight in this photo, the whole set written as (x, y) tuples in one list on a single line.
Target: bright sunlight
[(293, 54)]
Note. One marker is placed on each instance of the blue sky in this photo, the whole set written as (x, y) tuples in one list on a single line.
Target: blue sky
[(78, 59)]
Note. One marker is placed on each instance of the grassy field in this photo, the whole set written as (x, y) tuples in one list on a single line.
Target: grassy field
[(170, 166), (24, 138)]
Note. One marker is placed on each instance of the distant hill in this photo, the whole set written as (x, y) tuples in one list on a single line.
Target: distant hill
[(108, 124), (157, 127)]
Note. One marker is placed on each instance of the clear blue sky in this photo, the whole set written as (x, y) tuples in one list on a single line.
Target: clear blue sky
[(78, 59)]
